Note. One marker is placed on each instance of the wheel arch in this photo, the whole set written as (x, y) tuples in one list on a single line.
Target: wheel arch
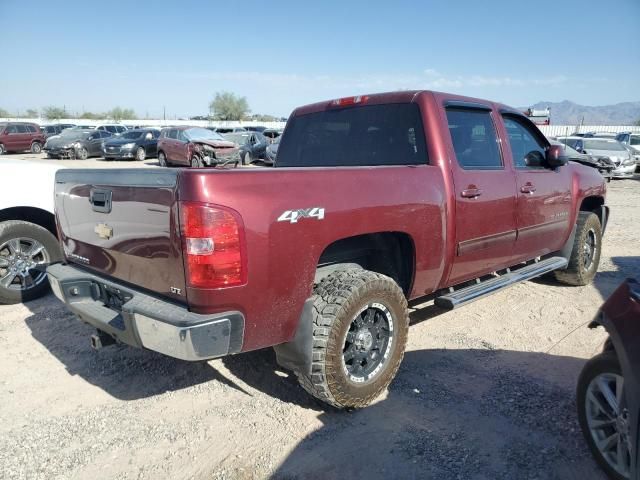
[(33, 215)]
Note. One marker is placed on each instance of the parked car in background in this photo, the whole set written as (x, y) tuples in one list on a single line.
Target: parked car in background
[(132, 144), (624, 162), (222, 130), (76, 144), (631, 140), (195, 147), (85, 127), (114, 129), (27, 229), (252, 146), (608, 393), (272, 151), (20, 136), (272, 133), (602, 164), (55, 129), (255, 128)]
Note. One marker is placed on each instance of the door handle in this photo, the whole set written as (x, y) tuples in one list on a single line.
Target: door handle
[(528, 188), (471, 192)]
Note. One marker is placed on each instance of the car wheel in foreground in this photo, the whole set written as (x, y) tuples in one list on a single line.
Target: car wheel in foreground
[(141, 154), (196, 162), (585, 255), (162, 159), (359, 336), (36, 147), (25, 251), (603, 418)]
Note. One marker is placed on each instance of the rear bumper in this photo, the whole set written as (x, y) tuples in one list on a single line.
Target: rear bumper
[(144, 321)]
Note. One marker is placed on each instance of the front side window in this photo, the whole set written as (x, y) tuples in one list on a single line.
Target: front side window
[(523, 141), (22, 129), (474, 139), (173, 133)]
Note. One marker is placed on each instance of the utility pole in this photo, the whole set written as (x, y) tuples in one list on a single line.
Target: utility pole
[(164, 113)]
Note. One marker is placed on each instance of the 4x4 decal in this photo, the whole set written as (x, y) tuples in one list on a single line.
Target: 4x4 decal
[(292, 216)]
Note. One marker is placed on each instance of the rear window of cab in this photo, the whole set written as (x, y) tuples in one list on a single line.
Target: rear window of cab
[(363, 135)]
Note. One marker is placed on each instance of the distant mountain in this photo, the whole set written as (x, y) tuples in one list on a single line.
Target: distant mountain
[(569, 113)]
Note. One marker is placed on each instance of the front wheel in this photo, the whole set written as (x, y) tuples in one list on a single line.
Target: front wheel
[(585, 254), (141, 154), (196, 162), (82, 154), (25, 251), (603, 418), (360, 330)]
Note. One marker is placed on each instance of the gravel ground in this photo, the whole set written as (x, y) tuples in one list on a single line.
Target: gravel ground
[(486, 391)]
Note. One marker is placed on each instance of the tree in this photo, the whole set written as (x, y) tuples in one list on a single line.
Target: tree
[(92, 116), (31, 113), (53, 113), (228, 106), (4, 113), (118, 114)]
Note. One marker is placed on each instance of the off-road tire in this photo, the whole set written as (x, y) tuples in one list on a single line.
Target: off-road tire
[(337, 300), (36, 147), (576, 273), (17, 229), (162, 159), (606, 362)]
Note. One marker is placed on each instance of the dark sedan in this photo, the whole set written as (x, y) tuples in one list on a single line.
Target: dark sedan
[(608, 394), (55, 129), (253, 145), (272, 151), (80, 144), (132, 144)]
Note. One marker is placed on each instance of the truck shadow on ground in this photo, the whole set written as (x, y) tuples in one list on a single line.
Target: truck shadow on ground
[(125, 373), (466, 414)]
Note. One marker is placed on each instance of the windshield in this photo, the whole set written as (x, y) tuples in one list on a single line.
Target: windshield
[(202, 134), (239, 138), (590, 144), (74, 134), (132, 135)]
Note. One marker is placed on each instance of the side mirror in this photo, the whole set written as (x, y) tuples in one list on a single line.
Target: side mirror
[(556, 156), (534, 159)]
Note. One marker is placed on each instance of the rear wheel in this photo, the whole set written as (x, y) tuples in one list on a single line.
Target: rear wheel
[(360, 330), (2, 150), (162, 159), (141, 154), (585, 255), (36, 147), (603, 418), (25, 251)]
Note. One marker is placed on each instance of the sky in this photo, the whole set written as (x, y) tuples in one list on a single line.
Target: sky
[(175, 55)]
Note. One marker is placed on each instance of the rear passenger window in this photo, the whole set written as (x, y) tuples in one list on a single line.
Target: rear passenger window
[(22, 129), (522, 140), (173, 133), (31, 129), (474, 139)]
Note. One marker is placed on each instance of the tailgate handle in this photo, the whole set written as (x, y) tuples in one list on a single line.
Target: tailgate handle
[(100, 199)]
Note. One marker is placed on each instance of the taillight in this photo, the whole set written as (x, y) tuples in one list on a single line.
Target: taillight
[(343, 102), (213, 245)]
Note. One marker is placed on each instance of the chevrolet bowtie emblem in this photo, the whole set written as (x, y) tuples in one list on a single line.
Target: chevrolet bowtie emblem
[(104, 231)]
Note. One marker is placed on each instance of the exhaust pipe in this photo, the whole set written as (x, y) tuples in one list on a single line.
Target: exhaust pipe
[(101, 339)]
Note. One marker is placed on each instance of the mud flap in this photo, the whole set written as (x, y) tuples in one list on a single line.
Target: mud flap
[(296, 355)]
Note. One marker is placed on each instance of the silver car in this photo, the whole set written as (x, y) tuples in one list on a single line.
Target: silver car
[(602, 147), (632, 140)]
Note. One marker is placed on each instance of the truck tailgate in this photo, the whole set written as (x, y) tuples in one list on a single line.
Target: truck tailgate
[(123, 224)]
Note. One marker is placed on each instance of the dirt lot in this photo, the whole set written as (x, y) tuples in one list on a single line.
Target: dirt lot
[(484, 392)]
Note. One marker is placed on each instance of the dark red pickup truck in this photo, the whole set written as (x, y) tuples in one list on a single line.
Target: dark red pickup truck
[(374, 200)]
